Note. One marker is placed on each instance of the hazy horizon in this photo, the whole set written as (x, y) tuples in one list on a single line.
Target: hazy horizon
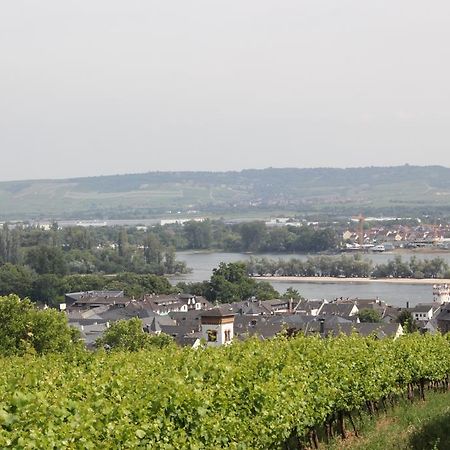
[(121, 87), (221, 171)]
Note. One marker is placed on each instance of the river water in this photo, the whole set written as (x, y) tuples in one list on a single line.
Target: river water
[(202, 264)]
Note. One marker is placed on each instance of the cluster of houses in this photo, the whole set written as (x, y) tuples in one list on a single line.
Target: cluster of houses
[(192, 320), (403, 236)]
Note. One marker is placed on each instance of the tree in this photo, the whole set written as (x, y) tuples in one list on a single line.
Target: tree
[(9, 245), (407, 321), (199, 288), (77, 238), (170, 261), (16, 280), (153, 250), (129, 335), (252, 235), (230, 282), (76, 283), (49, 289), (136, 285), (23, 327), (198, 234), (368, 315), (123, 247), (292, 293), (46, 259), (4, 244), (265, 291)]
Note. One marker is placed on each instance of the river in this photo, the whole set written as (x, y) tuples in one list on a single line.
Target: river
[(202, 264)]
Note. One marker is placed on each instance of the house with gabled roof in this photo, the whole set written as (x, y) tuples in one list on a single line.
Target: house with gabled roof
[(165, 304), (423, 312), (378, 330), (339, 309)]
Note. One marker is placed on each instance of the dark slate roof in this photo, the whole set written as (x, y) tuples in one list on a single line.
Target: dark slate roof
[(90, 333), (188, 318), (424, 307), (391, 311), (277, 303), (154, 324), (92, 300), (86, 313), (380, 330), (188, 340), (249, 307), (444, 314), (177, 330), (367, 302), (217, 312), (134, 309), (261, 327), (338, 309), (77, 322), (307, 306)]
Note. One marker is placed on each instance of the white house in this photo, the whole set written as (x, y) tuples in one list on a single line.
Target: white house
[(424, 311)]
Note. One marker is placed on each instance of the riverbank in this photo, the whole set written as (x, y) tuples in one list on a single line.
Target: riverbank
[(333, 280)]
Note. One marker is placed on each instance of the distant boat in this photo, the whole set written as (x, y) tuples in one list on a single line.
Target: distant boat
[(363, 248), (352, 248)]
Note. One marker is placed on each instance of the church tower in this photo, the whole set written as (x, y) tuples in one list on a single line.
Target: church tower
[(217, 327)]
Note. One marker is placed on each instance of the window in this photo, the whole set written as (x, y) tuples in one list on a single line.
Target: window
[(227, 335), (212, 336)]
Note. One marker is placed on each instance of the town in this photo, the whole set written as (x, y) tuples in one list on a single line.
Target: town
[(193, 321)]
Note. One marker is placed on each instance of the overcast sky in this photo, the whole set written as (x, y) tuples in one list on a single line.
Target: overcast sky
[(92, 87)]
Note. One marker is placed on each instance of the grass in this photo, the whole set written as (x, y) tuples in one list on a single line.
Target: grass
[(417, 426)]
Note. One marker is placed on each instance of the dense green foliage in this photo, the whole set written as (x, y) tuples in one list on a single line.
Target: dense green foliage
[(230, 282), (250, 395), (406, 320), (129, 335), (257, 237), (50, 288), (349, 266), (83, 250), (367, 315), (24, 328), (253, 237)]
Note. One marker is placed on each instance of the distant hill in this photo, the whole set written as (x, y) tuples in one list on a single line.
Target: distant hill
[(372, 190)]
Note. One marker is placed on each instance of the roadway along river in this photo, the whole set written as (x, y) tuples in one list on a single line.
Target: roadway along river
[(202, 264)]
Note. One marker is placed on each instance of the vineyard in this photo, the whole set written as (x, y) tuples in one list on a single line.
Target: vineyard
[(278, 394)]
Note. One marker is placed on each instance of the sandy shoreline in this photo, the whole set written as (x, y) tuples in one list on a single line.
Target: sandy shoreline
[(332, 280)]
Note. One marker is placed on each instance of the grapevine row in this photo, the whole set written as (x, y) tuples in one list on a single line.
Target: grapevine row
[(251, 395)]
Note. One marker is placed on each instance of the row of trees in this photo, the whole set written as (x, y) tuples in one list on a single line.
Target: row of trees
[(350, 267), (110, 250), (80, 250), (229, 282), (257, 237), (50, 288)]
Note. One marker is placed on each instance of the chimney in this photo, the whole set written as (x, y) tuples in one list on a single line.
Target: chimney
[(407, 305), (322, 326)]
